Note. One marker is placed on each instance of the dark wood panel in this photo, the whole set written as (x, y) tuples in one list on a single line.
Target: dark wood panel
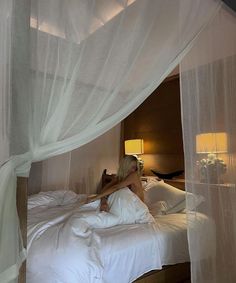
[(170, 274), (178, 183), (21, 201), (158, 121)]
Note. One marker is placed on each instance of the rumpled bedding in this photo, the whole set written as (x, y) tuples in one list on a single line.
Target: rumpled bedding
[(63, 245), (70, 243)]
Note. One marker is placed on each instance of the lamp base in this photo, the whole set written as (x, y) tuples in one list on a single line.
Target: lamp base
[(211, 169), (140, 164)]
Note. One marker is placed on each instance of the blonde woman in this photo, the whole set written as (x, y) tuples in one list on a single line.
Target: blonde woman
[(128, 175)]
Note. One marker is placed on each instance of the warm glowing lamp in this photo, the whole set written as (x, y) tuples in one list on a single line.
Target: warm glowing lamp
[(135, 147), (211, 143), (212, 168)]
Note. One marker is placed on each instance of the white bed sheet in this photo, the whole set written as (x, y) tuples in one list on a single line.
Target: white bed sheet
[(61, 248), (129, 251)]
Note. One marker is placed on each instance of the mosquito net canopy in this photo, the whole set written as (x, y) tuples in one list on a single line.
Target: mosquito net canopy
[(71, 70)]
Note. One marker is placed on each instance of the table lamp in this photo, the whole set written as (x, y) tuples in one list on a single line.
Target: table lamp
[(211, 167), (211, 143), (135, 147)]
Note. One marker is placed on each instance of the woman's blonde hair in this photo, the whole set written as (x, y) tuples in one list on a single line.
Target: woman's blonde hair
[(125, 165)]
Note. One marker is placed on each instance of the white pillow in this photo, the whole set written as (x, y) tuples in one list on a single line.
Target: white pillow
[(177, 208), (160, 191), (159, 208), (52, 198), (193, 200), (128, 207), (175, 199)]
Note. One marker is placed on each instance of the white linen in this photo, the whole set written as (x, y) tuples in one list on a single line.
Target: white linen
[(130, 251), (158, 207), (162, 198), (63, 247), (172, 237), (160, 191), (128, 207), (52, 198), (59, 250)]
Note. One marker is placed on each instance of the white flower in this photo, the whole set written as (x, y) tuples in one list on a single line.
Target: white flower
[(211, 156), (211, 164)]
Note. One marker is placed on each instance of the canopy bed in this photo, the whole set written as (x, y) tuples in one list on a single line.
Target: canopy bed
[(58, 240), (72, 70), (53, 218)]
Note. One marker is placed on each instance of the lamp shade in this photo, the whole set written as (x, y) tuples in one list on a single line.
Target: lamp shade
[(134, 146), (211, 143)]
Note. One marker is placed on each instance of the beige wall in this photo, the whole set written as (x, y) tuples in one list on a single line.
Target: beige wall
[(79, 170), (88, 162)]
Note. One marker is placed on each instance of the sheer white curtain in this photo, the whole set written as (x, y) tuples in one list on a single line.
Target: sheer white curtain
[(208, 90), (92, 70), (5, 71), (9, 228), (91, 63)]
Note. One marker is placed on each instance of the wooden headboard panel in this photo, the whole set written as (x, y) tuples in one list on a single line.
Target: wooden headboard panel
[(158, 121), (106, 178)]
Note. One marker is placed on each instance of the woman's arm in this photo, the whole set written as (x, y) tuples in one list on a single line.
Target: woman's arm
[(105, 193), (104, 205), (129, 180), (110, 184)]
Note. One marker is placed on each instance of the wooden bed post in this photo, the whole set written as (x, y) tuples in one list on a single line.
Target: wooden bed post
[(20, 90), (21, 203), (122, 140)]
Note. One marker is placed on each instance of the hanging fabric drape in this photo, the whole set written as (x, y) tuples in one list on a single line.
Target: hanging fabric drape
[(81, 68), (208, 94), (5, 70), (9, 226), (92, 70)]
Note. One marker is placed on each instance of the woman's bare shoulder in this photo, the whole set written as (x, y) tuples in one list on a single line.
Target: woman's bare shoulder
[(134, 175)]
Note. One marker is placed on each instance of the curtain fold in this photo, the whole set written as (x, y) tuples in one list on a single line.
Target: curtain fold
[(5, 78), (89, 65), (83, 83), (208, 97)]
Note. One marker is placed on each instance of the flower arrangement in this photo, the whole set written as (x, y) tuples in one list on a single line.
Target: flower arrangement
[(140, 165), (211, 169)]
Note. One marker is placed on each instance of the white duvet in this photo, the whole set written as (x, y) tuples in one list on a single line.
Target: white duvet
[(70, 243)]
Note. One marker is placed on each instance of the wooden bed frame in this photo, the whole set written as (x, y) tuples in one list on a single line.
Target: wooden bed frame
[(21, 203), (169, 274), (178, 273)]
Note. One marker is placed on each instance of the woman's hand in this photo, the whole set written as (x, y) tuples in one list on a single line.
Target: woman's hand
[(104, 205)]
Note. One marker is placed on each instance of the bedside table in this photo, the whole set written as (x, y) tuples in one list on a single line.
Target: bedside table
[(178, 183)]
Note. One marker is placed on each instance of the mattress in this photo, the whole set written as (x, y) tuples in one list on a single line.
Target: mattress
[(61, 248)]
